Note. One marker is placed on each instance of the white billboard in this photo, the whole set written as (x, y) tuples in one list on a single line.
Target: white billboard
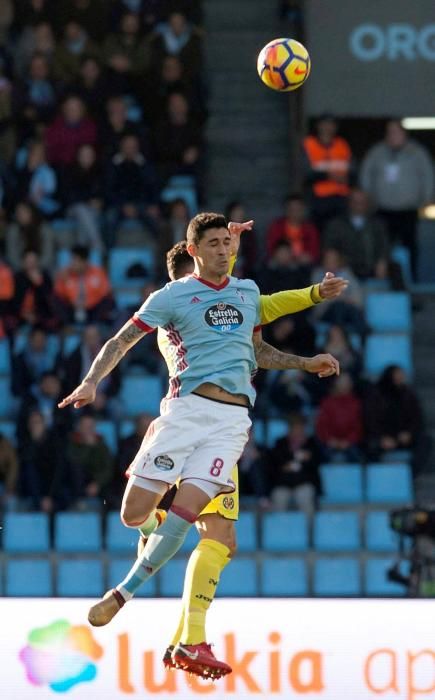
[(311, 649)]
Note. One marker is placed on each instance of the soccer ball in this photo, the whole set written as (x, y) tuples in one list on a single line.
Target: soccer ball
[(283, 64)]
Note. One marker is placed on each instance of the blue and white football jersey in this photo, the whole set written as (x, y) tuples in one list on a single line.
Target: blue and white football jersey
[(208, 332)]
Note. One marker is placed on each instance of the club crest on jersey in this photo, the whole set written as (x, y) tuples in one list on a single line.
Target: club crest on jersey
[(164, 462), (223, 317)]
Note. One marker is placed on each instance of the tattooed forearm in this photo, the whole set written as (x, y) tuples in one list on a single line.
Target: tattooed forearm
[(269, 357), (113, 351)]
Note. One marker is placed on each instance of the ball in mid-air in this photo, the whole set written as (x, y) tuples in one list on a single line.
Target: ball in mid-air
[(284, 64)]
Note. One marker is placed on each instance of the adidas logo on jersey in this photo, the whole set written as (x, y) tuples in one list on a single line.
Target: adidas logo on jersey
[(195, 300)]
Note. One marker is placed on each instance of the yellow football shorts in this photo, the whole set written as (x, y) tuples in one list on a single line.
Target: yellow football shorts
[(227, 504)]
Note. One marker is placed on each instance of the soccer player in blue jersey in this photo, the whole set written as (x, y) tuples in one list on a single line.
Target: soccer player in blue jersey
[(212, 321)]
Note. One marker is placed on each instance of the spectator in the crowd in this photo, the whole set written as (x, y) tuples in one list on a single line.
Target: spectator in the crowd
[(126, 52), (44, 397), (74, 46), (177, 140), (43, 476), (294, 468), (7, 131), (82, 196), (293, 334), (9, 470), (328, 170), (36, 180), (90, 462), (294, 228), (348, 310), (92, 15), (128, 448), (92, 86), (34, 302), (34, 361), (70, 130), (34, 39), (116, 125), (171, 77), (29, 13), (338, 344), (288, 391), (247, 255), (178, 37), (131, 189), (361, 238), (7, 294), (28, 232), (398, 174), (339, 424), (393, 414), (76, 366), (253, 477), (36, 96), (82, 290), (172, 230), (283, 271)]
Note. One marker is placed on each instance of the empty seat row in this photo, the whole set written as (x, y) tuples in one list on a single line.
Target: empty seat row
[(245, 577), (333, 531), (349, 484)]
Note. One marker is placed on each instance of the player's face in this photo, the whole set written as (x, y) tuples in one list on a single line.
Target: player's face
[(213, 251)]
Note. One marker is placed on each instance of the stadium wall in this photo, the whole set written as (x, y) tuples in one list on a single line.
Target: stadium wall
[(312, 649)]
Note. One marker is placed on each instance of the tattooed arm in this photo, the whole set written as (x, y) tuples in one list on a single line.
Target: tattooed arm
[(269, 357), (110, 354)]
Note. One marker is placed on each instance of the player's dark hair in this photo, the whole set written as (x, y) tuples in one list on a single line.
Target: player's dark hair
[(201, 223), (178, 261)]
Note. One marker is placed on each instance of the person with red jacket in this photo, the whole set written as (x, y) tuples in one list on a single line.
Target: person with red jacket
[(339, 424), (328, 166), (71, 129), (293, 227), (83, 291)]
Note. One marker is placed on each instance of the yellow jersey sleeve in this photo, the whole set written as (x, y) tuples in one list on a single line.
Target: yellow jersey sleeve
[(233, 259), (274, 306)]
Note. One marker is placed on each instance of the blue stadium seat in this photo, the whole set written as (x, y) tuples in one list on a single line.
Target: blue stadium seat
[(284, 532), (246, 530), (126, 428), (389, 483), (118, 569), (26, 532), (388, 312), (9, 430), (342, 484), (375, 579), (379, 535), (118, 537), (29, 577), (7, 403), (239, 578), (5, 359), (284, 577), (121, 259), (63, 257), (275, 429), (336, 532), (63, 225), (128, 298), (107, 430), (259, 428), (192, 539), (397, 456), (77, 532), (70, 343), (80, 578), (171, 578), (337, 577), (141, 394), (183, 187), (382, 350), (401, 256)]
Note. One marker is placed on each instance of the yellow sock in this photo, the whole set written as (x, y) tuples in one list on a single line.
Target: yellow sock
[(177, 636), (203, 571)]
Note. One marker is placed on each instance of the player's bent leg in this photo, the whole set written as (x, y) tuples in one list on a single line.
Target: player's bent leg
[(213, 526)]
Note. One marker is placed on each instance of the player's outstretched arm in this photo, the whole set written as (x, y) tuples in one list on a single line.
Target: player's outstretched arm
[(268, 357), (108, 357), (236, 229)]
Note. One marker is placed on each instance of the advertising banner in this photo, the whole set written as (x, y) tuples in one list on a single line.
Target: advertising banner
[(371, 58), (311, 649)]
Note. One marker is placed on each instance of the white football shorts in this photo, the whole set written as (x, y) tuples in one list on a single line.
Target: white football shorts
[(193, 438)]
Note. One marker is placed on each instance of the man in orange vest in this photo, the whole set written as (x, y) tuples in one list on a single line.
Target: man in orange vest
[(328, 164)]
